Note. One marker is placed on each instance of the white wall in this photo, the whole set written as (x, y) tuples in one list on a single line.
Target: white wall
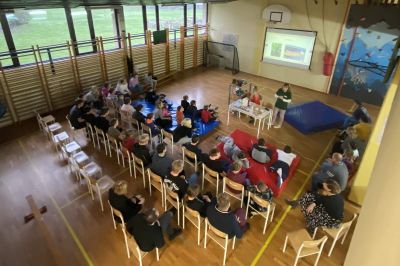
[(243, 18)]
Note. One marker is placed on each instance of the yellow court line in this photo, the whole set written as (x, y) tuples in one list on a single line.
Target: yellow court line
[(302, 172), (288, 208), (67, 224)]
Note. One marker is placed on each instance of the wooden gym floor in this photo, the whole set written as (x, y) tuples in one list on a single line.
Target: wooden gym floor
[(30, 165)]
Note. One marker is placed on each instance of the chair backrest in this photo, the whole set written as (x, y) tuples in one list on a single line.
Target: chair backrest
[(88, 125), (110, 103), (138, 161), (69, 121), (118, 214), (189, 154), (135, 123), (112, 140), (344, 227), (125, 152), (232, 184), (154, 178), (170, 194), (167, 135), (313, 243), (125, 115), (259, 201), (210, 172), (216, 231), (192, 213)]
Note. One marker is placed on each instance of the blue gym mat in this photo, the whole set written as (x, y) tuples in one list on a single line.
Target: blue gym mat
[(200, 128), (313, 117)]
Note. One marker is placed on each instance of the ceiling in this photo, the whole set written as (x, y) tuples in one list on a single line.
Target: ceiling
[(10, 4)]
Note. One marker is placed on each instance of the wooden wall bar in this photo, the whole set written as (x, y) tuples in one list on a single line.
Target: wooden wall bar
[(44, 87)]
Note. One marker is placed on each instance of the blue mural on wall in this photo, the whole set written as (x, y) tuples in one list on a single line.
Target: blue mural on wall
[(367, 46)]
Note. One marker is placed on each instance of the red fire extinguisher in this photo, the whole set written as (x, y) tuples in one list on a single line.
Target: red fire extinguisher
[(328, 63)]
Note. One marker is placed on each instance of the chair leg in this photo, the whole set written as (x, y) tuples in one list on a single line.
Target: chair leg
[(162, 198), (296, 260), (198, 233), (130, 168), (225, 251), (126, 245), (265, 225), (205, 235), (284, 245), (333, 245), (144, 178), (344, 237), (139, 257), (178, 217), (319, 255), (315, 232), (158, 255), (100, 199)]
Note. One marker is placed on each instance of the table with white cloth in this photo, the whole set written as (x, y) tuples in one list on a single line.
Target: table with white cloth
[(257, 112)]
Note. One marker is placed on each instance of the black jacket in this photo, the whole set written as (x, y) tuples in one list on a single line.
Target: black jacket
[(334, 205), (177, 184), (124, 204), (224, 221), (194, 149), (142, 153), (181, 132), (146, 236), (102, 123)]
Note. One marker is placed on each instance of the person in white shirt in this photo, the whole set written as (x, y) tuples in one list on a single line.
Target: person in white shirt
[(127, 106), (122, 87), (282, 165)]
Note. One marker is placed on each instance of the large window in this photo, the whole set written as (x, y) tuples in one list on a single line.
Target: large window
[(171, 17), (81, 25), (105, 26), (40, 26), (189, 17), (201, 16), (5, 60), (134, 22), (151, 18)]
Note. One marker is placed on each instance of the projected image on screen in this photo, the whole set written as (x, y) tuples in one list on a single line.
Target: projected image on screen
[(289, 47)]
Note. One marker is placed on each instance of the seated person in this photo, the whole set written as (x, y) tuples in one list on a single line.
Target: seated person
[(141, 151), (333, 168), (76, 115), (150, 80), (233, 152), (237, 176), (325, 208), (185, 103), (348, 160), (183, 133), (191, 111), (113, 130), (215, 163), (348, 136), (255, 98), (112, 96), (119, 200), (228, 222), (91, 96), (122, 87), (360, 114), (138, 115), (177, 182), (260, 152), (148, 227), (129, 140), (180, 115), (162, 117), (101, 122), (134, 85), (160, 162), (208, 115), (90, 117), (105, 89), (196, 201), (127, 106), (193, 147), (282, 165), (262, 191), (363, 131), (155, 131)]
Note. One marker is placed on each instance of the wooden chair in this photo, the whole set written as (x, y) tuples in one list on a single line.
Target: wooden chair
[(78, 161), (211, 176), (153, 140), (138, 166), (167, 135), (264, 204), (112, 108), (52, 129), (232, 185), (112, 144), (218, 237), (98, 186), (337, 233), (157, 182), (122, 223), (69, 149), (71, 127), (44, 121), (91, 134), (193, 217), (172, 198), (60, 139), (186, 155), (126, 155), (139, 254), (304, 245), (126, 119), (101, 138)]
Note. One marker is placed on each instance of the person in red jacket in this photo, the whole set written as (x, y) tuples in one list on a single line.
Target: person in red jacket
[(208, 115)]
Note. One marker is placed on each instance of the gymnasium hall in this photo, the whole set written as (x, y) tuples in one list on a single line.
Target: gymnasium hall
[(199, 132)]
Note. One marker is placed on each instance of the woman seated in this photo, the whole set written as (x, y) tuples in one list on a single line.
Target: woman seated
[(162, 117), (197, 201), (183, 133), (349, 139), (122, 87), (119, 200), (324, 208)]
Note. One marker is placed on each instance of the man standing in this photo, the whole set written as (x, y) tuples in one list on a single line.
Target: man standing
[(283, 98)]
